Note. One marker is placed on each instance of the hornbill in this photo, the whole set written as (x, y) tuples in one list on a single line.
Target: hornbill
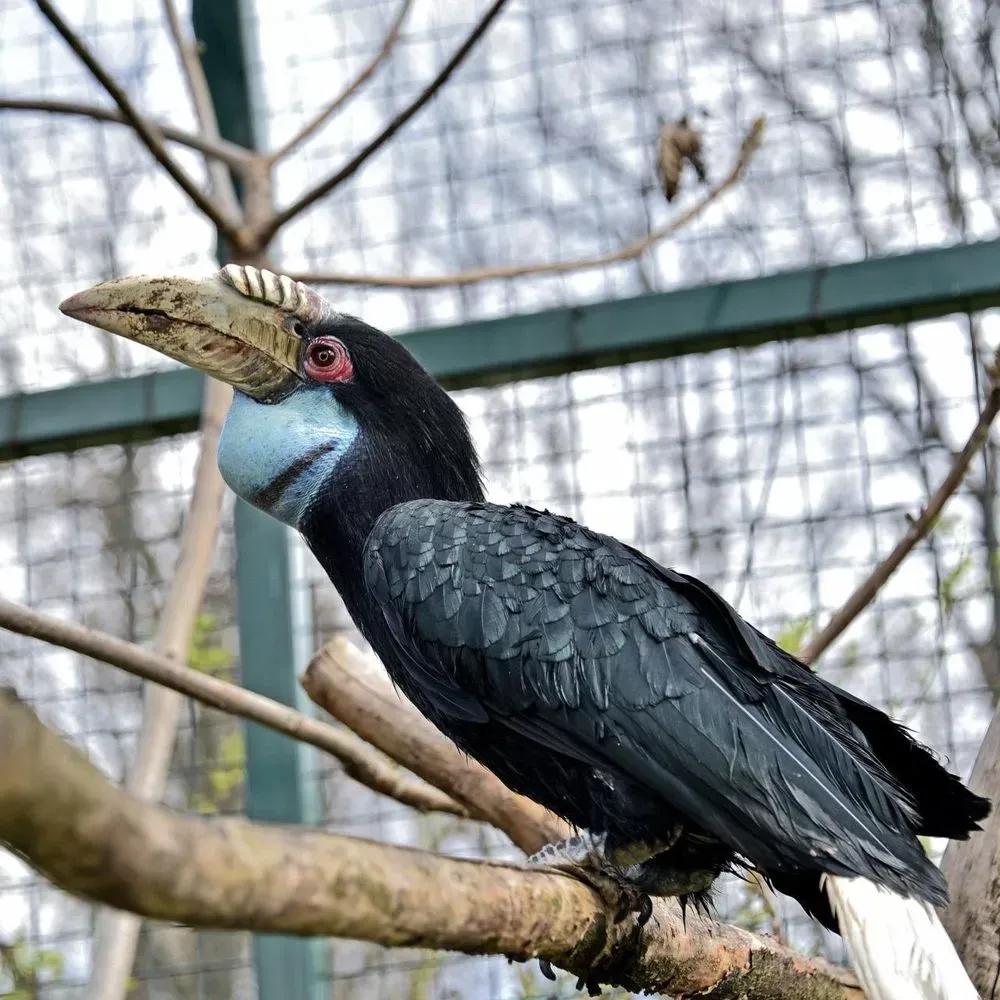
[(626, 697)]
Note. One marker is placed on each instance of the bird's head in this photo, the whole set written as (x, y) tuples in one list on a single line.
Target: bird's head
[(324, 405)]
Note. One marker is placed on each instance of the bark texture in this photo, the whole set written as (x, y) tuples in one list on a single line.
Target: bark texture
[(972, 868), (60, 814), (353, 688)]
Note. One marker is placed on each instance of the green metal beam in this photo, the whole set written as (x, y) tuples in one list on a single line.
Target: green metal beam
[(805, 303), (136, 409)]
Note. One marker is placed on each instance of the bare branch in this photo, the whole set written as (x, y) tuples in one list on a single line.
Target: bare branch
[(360, 762), (352, 688), (750, 144), (919, 528), (117, 934), (204, 106), (388, 44), (265, 233), (220, 149), (144, 129), (58, 812)]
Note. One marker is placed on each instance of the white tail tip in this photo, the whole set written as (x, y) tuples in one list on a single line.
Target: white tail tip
[(898, 947)]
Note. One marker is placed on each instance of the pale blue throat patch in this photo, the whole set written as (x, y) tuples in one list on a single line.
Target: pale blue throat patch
[(277, 456)]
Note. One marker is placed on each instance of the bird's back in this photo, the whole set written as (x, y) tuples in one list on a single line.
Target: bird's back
[(531, 640)]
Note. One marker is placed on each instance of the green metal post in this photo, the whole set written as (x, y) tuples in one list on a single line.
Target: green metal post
[(279, 769), (279, 788)]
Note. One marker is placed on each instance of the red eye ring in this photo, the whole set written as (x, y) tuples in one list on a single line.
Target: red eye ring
[(327, 360)]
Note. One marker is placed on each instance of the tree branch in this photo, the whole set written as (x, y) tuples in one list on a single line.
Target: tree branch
[(360, 762), (144, 129), (919, 528), (117, 934), (352, 688), (388, 44), (751, 142), (265, 232), (220, 149), (972, 869), (60, 814), (204, 107)]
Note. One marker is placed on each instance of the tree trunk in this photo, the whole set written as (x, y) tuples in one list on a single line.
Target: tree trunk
[(972, 868)]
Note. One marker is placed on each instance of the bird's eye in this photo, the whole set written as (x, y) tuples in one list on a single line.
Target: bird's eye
[(327, 360)]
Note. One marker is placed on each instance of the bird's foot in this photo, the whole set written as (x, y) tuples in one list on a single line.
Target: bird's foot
[(585, 857), (618, 894), (573, 852)]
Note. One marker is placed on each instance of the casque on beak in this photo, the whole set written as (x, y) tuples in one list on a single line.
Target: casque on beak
[(239, 325)]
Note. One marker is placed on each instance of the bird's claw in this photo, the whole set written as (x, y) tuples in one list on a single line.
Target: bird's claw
[(584, 858), (545, 967), (617, 895)]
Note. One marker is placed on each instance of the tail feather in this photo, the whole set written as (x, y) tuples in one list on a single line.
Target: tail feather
[(947, 807), (899, 949)]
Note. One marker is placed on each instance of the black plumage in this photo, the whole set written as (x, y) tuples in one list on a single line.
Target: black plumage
[(645, 684), (627, 697)]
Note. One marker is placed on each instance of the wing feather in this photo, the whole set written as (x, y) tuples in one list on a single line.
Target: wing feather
[(583, 646)]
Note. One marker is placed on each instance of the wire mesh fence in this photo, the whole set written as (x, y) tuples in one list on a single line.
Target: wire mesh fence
[(781, 474), (778, 474), (92, 537)]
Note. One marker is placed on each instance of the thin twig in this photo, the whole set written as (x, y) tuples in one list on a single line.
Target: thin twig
[(361, 762), (748, 147), (918, 530), (265, 232), (220, 149), (388, 44), (144, 129), (66, 819), (204, 106)]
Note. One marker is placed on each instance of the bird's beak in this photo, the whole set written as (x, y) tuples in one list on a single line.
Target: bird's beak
[(208, 324)]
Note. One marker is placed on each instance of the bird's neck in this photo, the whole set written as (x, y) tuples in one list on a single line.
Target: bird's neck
[(338, 523)]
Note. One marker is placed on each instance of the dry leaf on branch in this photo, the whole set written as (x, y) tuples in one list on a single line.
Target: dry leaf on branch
[(679, 143)]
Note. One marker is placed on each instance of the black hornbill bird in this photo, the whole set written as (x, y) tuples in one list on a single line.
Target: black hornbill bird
[(628, 698)]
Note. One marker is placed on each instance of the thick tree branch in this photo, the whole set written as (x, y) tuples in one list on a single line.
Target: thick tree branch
[(360, 762), (144, 129), (749, 145), (972, 869), (327, 112), (60, 814), (919, 528), (220, 149), (266, 232), (352, 688), (204, 107)]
